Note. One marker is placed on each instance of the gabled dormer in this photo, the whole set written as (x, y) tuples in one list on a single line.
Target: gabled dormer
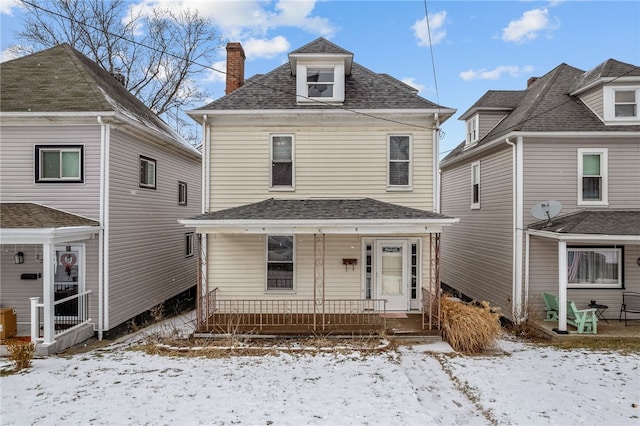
[(612, 91), (487, 113), (320, 68)]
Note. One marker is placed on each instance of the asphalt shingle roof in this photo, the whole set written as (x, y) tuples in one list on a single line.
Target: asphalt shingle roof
[(61, 79), (364, 89), (624, 222), (319, 209), (547, 106), (29, 215)]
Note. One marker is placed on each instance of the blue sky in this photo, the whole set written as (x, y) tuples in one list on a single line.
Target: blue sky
[(477, 45)]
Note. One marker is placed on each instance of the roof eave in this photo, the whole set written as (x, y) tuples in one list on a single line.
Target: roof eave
[(601, 238), (47, 235)]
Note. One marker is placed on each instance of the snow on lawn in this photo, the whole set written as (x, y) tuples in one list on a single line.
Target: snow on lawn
[(421, 385)]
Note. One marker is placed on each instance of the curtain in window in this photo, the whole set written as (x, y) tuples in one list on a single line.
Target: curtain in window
[(399, 160), (282, 164), (591, 177), (593, 266)]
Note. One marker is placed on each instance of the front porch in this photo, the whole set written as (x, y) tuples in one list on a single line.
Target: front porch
[(612, 328)]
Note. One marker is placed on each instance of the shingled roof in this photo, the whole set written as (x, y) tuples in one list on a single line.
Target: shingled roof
[(319, 209), (547, 106), (364, 89), (30, 215), (593, 222), (61, 79)]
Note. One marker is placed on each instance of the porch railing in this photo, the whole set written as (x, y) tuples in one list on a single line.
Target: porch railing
[(69, 314), (430, 309), (225, 314)]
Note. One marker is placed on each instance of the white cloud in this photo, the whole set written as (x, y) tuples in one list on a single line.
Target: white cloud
[(436, 25), (218, 72), (496, 73), (528, 26), (411, 81), (249, 18), (264, 48), (7, 6)]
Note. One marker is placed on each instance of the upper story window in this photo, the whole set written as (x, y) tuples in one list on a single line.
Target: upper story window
[(621, 104), (147, 172), (280, 262), (320, 81), (592, 177), (59, 163), (399, 173), (182, 193), (472, 130), (282, 167), (475, 185)]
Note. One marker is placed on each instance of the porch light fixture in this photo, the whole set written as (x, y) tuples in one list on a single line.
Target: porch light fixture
[(18, 258)]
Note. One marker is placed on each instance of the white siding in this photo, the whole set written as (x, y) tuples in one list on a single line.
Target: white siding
[(594, 100), (477, 252), (331, 162), (146, 244), (488, 121)]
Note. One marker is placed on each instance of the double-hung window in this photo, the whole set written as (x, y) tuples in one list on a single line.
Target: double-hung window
[(59, 163), (621, 104), (188, 244), (280, 262), (282, 169), (147, 172), (472, 131), (399, 172), (475, 185), (594, 267), (320, 82), (592, 177)]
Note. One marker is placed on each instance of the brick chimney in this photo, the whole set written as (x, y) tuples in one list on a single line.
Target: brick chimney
[(531, 81), (235, 66)]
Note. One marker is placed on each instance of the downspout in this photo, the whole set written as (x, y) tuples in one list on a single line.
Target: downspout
[(517, 188), (104, 202), (204, 241), (101, 233), (436, 164), (205, 165)]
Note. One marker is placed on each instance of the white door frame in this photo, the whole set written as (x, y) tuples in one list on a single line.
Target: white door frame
[(398, 302)]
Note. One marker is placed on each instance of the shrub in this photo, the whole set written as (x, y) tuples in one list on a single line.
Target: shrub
[(21, 354), (469, 328)]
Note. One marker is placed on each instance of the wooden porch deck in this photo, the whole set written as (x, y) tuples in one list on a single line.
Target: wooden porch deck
[(610, 328), (334, 324)]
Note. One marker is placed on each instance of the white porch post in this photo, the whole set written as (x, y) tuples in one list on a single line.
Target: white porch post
[(48, 256), (562, 286), (35, 319)]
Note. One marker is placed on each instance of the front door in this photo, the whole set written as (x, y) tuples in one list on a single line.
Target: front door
[(391, 274), (68, 281)]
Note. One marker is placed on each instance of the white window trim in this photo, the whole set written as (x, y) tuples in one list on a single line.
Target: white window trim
[(282, 188), (619, 284), (189, 243), (39, 149), (302, 86), (155, 172), (604, 171), (609, 106), (475, 120), (182, 184), (476, 206), (409, 186), (266, 266)]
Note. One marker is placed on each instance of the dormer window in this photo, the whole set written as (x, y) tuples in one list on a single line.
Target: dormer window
[(472, 131), (320, 81), (621, 104)]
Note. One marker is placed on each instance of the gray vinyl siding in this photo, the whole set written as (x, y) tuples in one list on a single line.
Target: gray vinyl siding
[(147, 264), (555, 177), (594, 100), (488, 121), (17, 168), (476, 256), (544, 278)]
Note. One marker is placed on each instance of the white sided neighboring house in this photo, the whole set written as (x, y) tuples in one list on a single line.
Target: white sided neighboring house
[(320, 189), (91, 186), (568, 144)]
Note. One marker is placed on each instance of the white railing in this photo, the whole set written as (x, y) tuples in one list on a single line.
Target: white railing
[(69, 314)]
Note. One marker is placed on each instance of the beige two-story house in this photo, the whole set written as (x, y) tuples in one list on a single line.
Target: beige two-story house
[(547, 186), (91, 186), (319, 191)]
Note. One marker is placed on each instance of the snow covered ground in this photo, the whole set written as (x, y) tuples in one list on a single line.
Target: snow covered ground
[(521, 384)]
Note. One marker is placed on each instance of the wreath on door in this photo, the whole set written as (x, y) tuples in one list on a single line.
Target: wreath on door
[(68, 260)]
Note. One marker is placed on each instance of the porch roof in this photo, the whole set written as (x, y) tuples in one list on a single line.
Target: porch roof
[(591, 225), (30, 223), (320, 215)]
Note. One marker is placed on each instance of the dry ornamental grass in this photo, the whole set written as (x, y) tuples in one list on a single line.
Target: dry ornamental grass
[(469, 328)]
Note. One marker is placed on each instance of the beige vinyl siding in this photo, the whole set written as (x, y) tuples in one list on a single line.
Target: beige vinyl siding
[(544, 278), (476, 254), (331, 162), (17, 168), (488, 121), (594, 100), (146, 244), (555, 177)]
